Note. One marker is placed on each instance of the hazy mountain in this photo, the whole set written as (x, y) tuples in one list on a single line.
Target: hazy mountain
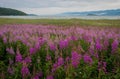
[(114, 12)]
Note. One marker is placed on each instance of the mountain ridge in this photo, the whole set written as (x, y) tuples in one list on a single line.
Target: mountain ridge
[(9, 11), (112, 12)]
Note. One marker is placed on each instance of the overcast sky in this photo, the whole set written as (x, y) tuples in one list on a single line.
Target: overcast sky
[(43, 7)]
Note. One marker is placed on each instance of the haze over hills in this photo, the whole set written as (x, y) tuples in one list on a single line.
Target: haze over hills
[(112, 12)]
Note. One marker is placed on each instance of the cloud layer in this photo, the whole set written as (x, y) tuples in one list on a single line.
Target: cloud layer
[(59, 6)]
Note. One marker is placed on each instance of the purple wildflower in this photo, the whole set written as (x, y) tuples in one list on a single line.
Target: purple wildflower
[(63, 43), (91, 49), (36, 77), (54, 67), (52, 47), (10, 50), (37, 46), (75, 59), (5, 40), (87, 59), (102, 66), (115, 45), (73, 38), (11, 61), (49, 77), (98, 45), (60, 61), (32, 50), (67, 59), (24, 71), (18, 56), (96, 55), (24, 41), (41, 41), (10, 70), (106, 44), (27, 59), (48, 57), (40, 74), (57, 64)]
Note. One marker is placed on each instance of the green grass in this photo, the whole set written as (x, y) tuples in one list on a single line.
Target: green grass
[(62, 22)]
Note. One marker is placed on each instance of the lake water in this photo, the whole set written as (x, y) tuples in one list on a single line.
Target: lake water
[(62, 17)]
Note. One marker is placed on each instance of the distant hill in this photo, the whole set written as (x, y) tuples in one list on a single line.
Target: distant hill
[(8, 11), (113, 12)]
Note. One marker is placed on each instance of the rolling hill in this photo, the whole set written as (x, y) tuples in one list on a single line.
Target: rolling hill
[(9, 11)]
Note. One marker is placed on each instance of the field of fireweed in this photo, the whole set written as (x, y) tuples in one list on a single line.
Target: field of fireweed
[(50, 52)]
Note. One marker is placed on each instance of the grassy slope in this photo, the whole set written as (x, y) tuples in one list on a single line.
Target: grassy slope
[(62, 22)]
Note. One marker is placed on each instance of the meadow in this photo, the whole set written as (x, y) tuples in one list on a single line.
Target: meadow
[(59, 49), (62, 22)]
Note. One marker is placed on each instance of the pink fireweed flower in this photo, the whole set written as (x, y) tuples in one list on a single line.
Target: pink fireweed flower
[(67, 59), (10, 61), (52, 47), (37, 46), (10, 70), (41, 40), (87, 59), (0, 35), (5, 40), (49, 77), (91, 49), (96, 55), (18, 56), (10, 50), (73, 38), (115, 45), (24, 41), (102, 66), (58, 64), (98, 45), (27, 60), (38, 75), (60, 61), (48, 57), (92, 52), (24, 71), (106, 44), (63, 43), (32, 50), (55, 66), (75, 59), (35, 77)]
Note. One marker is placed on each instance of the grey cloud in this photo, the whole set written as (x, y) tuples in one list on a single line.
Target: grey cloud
[(59, 6), (26, 3), (53, 3)]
